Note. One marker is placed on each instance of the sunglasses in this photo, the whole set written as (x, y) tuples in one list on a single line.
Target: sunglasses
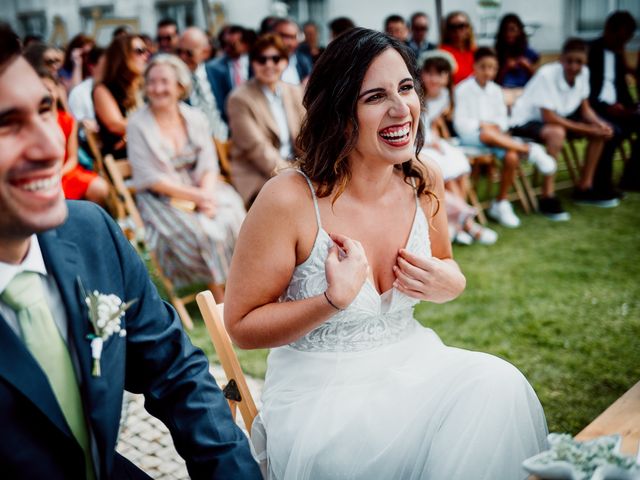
[(420, 28), (141, 50), (263, 59), (185, 52), (165, 38), (458, 26), (50, 61)]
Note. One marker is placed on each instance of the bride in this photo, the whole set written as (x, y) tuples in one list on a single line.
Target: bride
[(329, 264)]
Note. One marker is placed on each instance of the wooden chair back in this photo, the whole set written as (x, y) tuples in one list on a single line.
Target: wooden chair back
[(118, 172), (236, 391), (223, 149)]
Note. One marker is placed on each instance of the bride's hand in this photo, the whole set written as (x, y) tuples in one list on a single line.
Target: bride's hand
[(347, 272), (428, 278)]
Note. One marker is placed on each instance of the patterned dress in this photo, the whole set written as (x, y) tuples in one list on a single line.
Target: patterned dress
[(191, 247)]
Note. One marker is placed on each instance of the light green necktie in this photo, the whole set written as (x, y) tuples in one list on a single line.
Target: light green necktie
[(25, 296)]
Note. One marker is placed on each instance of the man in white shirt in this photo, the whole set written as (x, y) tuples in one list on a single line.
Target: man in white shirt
[(554, 104), (611, 99), (480, 120)]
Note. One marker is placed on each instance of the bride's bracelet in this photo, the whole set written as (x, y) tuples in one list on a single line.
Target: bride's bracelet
[(331, 303)]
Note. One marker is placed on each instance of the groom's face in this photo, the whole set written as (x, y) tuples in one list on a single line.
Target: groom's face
[(31, 154)]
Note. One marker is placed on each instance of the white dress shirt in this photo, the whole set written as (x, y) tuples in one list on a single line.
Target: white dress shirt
[(33, 262), (276, 106), (290, 74), (608, 91), (202, 97), (81, 101), (475, 105), (549, 89)]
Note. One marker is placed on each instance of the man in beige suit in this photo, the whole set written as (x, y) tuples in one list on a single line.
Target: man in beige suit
[(265, 115)]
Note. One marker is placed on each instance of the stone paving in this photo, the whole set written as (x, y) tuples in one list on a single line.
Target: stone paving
[(146, 441)]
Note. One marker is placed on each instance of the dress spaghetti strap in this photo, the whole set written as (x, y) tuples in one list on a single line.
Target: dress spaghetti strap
[(313, 195)]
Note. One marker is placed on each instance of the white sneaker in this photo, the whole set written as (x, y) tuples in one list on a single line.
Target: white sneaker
[(502, 212), (482, 235), (539, 157), (463, 238)]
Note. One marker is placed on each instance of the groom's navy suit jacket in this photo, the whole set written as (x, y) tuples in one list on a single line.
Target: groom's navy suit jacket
[(155, 358)]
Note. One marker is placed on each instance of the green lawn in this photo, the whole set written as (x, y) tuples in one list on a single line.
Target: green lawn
[(561, 301)]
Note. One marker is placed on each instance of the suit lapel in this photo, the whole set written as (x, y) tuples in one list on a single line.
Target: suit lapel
[(19, 368), (64, 262)]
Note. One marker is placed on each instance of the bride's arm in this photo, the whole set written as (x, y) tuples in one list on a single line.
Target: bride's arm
[(437, 278), (268, 248)]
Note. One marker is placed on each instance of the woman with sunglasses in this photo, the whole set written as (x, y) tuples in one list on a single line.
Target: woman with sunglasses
[(458, 40), (118, 93), (264, 118)]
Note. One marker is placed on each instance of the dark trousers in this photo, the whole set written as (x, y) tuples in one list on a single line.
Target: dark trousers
[(603, 178)]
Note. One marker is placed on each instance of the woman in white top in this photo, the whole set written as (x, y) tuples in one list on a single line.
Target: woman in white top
[(331, 261)]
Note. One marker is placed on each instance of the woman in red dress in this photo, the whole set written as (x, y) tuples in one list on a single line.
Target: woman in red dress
[(78, 183), (458, 40)]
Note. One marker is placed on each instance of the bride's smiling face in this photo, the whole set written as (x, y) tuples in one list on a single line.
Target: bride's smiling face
[(388, 111)]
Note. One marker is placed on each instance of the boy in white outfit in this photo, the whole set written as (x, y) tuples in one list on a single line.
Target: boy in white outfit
[(480, 119), (554, 105)]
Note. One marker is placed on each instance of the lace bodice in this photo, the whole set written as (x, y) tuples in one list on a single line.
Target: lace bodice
[(372, 319)]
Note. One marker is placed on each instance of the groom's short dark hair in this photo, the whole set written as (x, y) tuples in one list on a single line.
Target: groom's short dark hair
[(9, 45)]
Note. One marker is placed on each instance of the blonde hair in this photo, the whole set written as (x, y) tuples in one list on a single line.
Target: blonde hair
[(183, 75)]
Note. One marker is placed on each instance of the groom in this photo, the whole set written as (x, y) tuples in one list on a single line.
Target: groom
[(60, 415)]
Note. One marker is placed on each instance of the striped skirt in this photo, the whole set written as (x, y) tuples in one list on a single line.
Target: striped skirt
[(191, 247)]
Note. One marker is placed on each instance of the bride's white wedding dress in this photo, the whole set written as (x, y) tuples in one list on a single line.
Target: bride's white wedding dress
[(371, 394)]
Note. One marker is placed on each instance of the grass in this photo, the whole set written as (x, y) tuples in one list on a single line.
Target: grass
[(561, 301)]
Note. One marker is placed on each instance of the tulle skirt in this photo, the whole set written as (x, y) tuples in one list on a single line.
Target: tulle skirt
[(414, 409)]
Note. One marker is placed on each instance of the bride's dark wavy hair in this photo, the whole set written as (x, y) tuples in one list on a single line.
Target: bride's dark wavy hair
[(330, 129)]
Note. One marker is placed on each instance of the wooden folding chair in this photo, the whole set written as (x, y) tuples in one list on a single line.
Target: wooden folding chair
[(236, 391), (118, 172), (572, 160), (223, 149)]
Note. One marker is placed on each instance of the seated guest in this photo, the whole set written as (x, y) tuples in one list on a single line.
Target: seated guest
[(74, 67), (81, 97), (264, 116), (555, 103), (42, 56), (396, 27), (480, 119), (231, 69), (339, 25), (194, 49), (78, 183), (118, 92), (311, 44), (516, 59), (299, 64), (191, 219), (167, 35), (435, 76), (458, 40), (611, 100), (419, 32), (60, 393)]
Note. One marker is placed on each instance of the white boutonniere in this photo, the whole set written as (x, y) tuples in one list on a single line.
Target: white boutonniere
[(105, 312)]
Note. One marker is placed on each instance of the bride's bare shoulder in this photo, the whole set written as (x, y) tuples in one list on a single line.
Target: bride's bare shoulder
[(285, 190)]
